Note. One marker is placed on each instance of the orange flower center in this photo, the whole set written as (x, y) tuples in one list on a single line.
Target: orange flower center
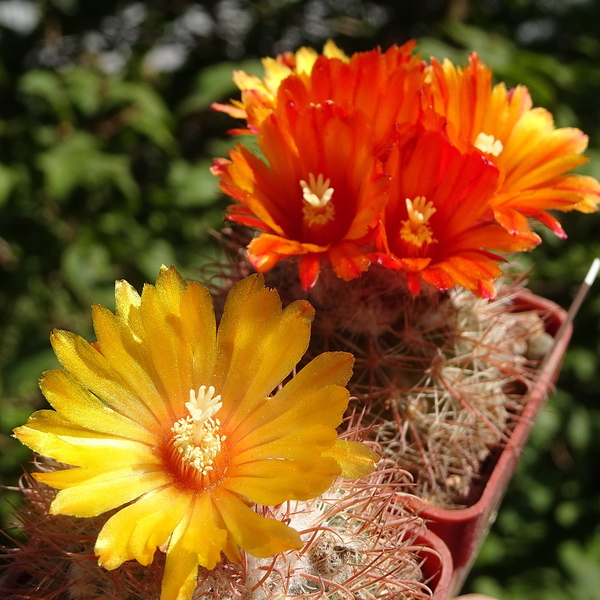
[(197, 438), (316, 207), (488, 144), (416, 230)]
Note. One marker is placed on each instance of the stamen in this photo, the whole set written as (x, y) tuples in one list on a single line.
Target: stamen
[(416, 229), (317, 194), (488, 144), (197, 437)]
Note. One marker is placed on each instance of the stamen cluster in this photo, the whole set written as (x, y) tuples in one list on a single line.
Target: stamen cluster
[(198, 444), (197, 437)]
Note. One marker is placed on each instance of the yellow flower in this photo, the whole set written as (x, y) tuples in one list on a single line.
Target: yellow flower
[(174, 420)]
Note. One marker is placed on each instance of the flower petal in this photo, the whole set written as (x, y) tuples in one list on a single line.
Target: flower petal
[(97, 374), (274, 481), (326, 369), (258, 346), (77, 404), (104, 492), (138, 529), (276, 418), (257, 535), (356, 459), (93, 452), (163, 329), (198, 539)]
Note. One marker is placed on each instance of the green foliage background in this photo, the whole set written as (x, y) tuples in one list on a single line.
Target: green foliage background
[(106, 135)]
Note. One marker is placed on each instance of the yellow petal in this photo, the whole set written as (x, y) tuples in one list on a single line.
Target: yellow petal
[(127, 356), (271, 482), (107, 452), (305, 59), (181, 568), (169, 362), (154, 530), (77, 404), (331, 50), (50, 421), (94, 371), (258, 346), (199, 331), (171, 286), (138, 529), (257, 535), (356, 460), (306, 443), (127, 305), (66, 478), (106, 491), (326, 369), (198, 539), (277, 418)]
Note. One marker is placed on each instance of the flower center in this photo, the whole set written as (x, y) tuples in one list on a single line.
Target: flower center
[(197, 437), (416, 229), (317, 208), (488, 144)]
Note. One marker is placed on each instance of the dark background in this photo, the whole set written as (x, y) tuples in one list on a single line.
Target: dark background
[(106, 136)]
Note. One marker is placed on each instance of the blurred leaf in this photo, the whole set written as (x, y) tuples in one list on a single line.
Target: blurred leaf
[(7, 182), (22, 380), (78, 161), (583, 361), (567, 513), (431, 47), (84, 89), (496, 51), (87, 269), (582, 564), (159, 252), (48, 86), (144, 110), (193, 185), (579, 428)]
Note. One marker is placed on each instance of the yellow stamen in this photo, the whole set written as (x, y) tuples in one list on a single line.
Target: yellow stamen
[(488, 144), (198, 436), (317, 194), (416, 229)]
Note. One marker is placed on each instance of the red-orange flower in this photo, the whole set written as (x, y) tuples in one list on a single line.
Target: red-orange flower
[(330, 125), (318, 195), (437, 224), (385, 86), (532, 156), (259, 95)]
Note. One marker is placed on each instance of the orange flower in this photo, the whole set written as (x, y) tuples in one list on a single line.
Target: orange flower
[(437, 224), (532, 156), (259, 95), (318, 196)]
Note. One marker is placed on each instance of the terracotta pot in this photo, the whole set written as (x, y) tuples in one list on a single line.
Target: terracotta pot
[(437, 564), (463, 530)]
